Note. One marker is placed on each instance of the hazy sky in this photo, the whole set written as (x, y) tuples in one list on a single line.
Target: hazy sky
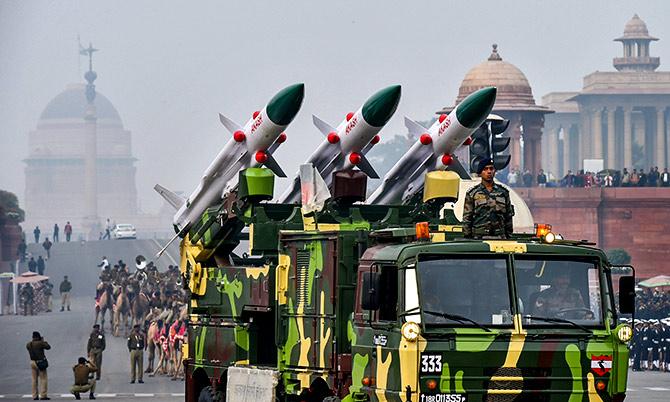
[(170, 67)]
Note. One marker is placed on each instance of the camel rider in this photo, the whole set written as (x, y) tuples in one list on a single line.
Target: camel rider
[(96, 344)]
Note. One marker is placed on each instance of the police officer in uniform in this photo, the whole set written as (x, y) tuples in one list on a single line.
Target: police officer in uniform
[(96, 344), (487, 210), (136, 345)]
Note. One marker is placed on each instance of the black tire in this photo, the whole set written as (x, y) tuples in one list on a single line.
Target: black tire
[(208, 394)]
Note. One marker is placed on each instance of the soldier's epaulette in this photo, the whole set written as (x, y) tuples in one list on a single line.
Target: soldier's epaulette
[(472, 190)]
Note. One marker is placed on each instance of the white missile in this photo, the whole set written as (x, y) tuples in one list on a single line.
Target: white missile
[(251, 146), (434, 148), (345, 147)]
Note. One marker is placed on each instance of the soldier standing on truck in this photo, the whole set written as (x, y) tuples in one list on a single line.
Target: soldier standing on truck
[(487, 210)]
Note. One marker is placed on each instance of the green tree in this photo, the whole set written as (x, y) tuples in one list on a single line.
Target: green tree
[(9, 207), (619, 256)]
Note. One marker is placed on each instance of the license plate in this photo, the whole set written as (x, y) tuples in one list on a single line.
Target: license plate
[(442, 398)]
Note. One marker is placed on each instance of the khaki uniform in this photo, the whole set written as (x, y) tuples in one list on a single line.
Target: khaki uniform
[(36, 350), (96, 344), (81, 381), (136, 347), (487, 213)]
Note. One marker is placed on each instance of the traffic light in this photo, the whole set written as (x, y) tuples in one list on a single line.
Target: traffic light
[(479, 147), (497, 126), (488, 143)]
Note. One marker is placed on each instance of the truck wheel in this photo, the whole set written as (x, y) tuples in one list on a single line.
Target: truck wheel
[(208, 394)]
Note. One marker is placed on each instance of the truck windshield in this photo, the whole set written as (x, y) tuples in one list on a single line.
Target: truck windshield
[(558, 289), (474, 289)]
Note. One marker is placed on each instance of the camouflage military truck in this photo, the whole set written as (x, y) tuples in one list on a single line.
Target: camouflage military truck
[(390, 303)]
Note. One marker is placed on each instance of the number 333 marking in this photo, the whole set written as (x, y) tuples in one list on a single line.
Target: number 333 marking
[(431, 364)]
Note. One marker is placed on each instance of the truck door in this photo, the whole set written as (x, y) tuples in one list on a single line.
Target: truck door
[(307, 318)]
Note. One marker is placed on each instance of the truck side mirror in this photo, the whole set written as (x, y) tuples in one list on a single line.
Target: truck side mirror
[(370, 297), (627, 294)]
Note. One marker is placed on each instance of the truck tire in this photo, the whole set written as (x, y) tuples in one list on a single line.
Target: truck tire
[(208, 394)]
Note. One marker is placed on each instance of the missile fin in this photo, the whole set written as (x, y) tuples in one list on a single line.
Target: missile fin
[(415, 129), (365, 166), (229, 124), (456, 166), (324, 127), (173, 199), (271, 163)]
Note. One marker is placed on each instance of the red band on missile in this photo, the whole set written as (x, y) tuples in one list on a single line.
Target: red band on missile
[(239, 136), (281, 139), (447, 159), (468, 141), (354, 158), (350, 115), (375, 140), (425, 139), (442, 117), (256, 113), (333, 138), (261, 157)]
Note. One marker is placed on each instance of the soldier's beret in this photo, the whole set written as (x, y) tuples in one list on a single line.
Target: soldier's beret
[(484, 163)]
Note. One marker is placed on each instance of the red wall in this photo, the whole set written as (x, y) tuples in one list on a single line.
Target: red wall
[(635, 219)]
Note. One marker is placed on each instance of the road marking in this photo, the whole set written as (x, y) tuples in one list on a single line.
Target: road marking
[(106, 395), (66, 396), (26, 396), (657, 389), (631, 390), (144, 395), (177, 394)]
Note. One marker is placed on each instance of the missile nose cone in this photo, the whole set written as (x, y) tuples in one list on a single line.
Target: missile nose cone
[(283, 107), (472, 111), (378, 110)]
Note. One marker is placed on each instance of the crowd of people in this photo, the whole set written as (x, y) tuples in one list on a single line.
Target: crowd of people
[(605, 178), (650, 347)]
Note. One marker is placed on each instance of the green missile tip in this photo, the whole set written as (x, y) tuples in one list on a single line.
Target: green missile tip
[(474, 109), (377, 110), (283, 107)]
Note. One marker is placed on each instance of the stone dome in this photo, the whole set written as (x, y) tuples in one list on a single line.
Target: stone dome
[(636, 29), (514, 91), (71, 104)]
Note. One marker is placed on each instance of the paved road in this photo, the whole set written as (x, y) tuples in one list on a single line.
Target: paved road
[(67, 332)]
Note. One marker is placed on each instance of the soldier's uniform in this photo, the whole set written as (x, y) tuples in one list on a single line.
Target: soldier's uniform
[(96, 344), (487, 213), (136, 344)]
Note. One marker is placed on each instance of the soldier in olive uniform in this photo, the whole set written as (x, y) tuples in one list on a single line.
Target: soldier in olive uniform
[(96, 344), (136, 346), (487, 210)]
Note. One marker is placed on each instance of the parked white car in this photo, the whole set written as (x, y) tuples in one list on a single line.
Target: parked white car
[(124, 231)]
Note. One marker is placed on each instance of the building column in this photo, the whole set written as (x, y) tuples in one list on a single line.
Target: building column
[(611, 145), (660, 137), (567, 151), (597, 133), (627, 138), (552, 142), (515, 145)]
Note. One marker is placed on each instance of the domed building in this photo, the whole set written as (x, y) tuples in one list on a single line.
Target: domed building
[(515, 102), (620, 118), (56, 164)]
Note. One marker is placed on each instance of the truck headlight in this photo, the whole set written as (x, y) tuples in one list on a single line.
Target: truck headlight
[(624, 333), (410, 331)]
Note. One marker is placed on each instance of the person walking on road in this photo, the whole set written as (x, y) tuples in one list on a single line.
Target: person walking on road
[(136, 346), (41, 266), (48, 293), (47, 247), (36, 233), (64, 289), (96, 344), (27, 296), (56, 233), (38, 365), (68, 231), (21, 250), (82, 383)]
